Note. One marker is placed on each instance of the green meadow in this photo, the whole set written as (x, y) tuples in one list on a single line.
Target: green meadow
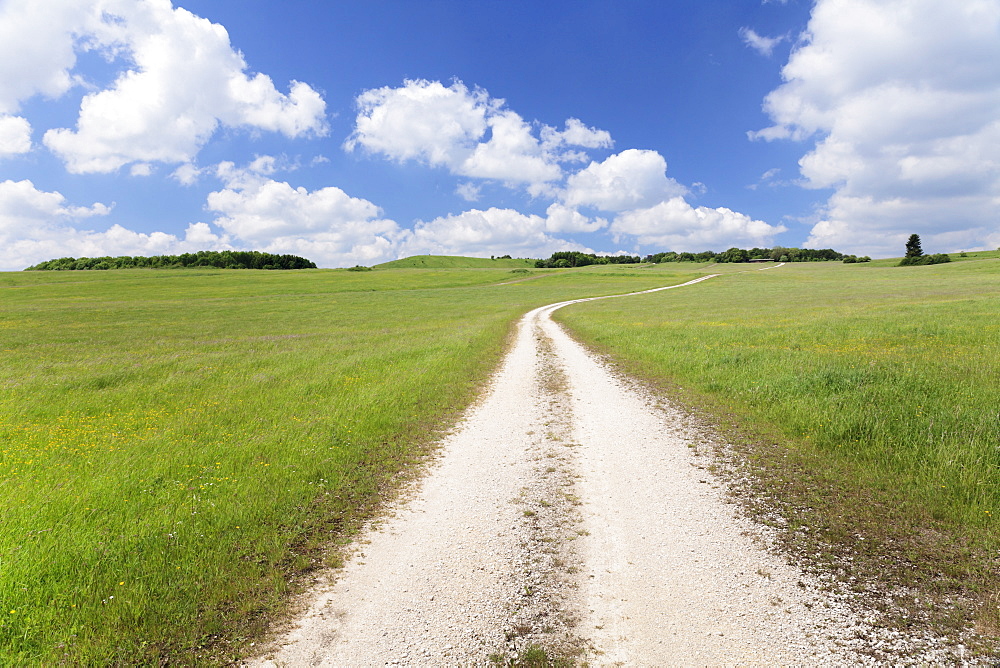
[(456, 262), (179, 448), (871, 395)]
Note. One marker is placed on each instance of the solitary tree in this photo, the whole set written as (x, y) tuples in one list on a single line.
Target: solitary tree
[(915, 254)]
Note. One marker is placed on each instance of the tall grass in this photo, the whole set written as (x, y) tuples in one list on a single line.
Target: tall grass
[(175, 446), (896, 370), (873, 392)]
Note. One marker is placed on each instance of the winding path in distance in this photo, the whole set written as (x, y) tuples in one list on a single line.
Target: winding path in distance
[(567, 509)]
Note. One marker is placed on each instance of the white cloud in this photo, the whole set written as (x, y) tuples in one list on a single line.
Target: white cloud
[(576, 134), (473, 135), (467, 132), (511, 154), (769, 179), (470, 192), (24, 207), (37, 48), (898, 217), (15, 135), (187, 174), (326, 225), (483, 233), (183, 81), (423, 121), (252, 175), (201, 236), (54, 241), (760, 44), (36, 225), (676, 225), (631, 179), (903, 98), (561, 219)]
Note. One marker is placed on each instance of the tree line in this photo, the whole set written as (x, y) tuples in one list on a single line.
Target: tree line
[(222, 259), (566, 259), (776, 254)]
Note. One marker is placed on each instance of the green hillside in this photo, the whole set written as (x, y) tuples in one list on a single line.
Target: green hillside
[(455, 262)]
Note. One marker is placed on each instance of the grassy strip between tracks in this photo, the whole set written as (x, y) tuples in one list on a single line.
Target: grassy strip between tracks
[(865, 404), (178, 448)]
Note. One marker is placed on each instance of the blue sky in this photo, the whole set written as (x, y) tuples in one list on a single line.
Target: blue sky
[(357, 132)]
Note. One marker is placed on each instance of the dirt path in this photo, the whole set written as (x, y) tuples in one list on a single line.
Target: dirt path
[(568, 510)]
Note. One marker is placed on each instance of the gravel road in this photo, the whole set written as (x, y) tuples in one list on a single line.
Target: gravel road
[(568, 510)]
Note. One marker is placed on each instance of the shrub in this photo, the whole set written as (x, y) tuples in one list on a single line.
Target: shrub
[(917, 260)]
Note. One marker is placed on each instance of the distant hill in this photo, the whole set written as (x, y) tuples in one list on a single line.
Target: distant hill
[(455, 262)]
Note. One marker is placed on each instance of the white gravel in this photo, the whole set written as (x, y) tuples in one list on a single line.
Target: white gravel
[(568, 509)]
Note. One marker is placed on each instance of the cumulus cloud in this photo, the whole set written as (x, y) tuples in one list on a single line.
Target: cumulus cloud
[(473, 135), (511, 154), (326, 225), (676, 225), (23, 207), (575, 134), (560, 219), (902, 100), (15, 135), (37, 50), (183, 80), (254, 212), (37, 225), (482, 233), (760, 44), (630, 179), (423, 121), (467, 132), (187, 174)]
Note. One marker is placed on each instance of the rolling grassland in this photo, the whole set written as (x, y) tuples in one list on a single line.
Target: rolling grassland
[(179, 448), (456, 262), (865, 399)]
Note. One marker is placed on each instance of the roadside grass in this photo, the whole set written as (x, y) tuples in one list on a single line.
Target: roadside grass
[(863, 402), (533, 656), (179, 449)]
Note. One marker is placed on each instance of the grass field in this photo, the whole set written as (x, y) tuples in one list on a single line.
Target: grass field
[(178, 447), (456, 262), (877, 388)]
